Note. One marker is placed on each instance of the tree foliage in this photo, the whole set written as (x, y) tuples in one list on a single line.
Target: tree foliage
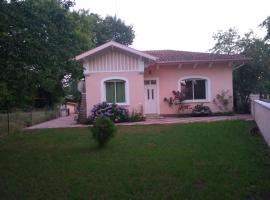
[(37, 45), (114, 29), (227, 42), (38, 41), (98, 31), (254, 76)]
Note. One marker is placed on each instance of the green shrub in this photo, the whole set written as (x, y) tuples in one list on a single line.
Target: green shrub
[(103, 130), (222, 114), (136, 117), (200, 110)]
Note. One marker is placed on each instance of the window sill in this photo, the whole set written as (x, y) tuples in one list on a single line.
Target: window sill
[(120, 104), (197, 101)]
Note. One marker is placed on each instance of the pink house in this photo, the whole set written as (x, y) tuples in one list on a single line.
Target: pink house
[(140, 80)]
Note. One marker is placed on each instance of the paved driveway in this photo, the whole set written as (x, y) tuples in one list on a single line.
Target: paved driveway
[(61, 122), (67, 122)]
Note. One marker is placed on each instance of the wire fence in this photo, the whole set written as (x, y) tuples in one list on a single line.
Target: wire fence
[(17, 119)]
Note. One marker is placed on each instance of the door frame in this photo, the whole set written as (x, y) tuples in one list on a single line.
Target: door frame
[(158, 99)]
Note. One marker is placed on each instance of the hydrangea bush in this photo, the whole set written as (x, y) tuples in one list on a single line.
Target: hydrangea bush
[(113, 111)]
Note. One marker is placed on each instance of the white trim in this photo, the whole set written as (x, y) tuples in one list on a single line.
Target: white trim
[(140, 65), (208, 89), (158, 99), (103, 89), (94, 72), (86, 71), (115, 44)]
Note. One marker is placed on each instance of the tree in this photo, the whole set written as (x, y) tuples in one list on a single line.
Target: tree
[(40, 38), (112, 28), (37, 45), (266, 24), (227, 42), (254, 76), (98, 31), (95, 30)]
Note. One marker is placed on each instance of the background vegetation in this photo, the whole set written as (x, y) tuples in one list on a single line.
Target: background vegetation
[(254, 76)]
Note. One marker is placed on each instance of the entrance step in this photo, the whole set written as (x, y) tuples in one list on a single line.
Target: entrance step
[(154, 116)]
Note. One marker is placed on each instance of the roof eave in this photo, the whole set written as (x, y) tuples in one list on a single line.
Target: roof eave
[(215, 60), (117, 45)]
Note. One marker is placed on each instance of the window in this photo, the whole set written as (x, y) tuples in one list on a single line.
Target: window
[(194, 88), (115, 91), (150, 82)]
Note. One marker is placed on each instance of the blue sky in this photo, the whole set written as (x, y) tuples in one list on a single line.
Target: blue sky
[(181, 24)]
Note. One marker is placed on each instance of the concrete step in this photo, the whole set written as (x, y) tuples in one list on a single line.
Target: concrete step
[(154, 116)]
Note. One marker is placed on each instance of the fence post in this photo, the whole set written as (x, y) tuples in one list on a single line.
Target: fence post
[(31, 116), (8, 119)]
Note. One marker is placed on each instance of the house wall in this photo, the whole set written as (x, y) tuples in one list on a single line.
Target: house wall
[(71, 107), (135, 88), (220, 76)]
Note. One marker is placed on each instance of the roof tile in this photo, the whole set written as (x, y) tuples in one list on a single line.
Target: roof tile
[(186, 56)]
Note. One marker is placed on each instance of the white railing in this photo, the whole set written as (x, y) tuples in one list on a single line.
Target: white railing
[(260, 111)]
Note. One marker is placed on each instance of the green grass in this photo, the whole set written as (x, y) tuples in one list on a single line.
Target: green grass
[(200, 161)]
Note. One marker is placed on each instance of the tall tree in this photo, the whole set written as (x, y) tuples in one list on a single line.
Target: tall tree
[(38, 41), (99, 31), (115, 29), (37, 45)]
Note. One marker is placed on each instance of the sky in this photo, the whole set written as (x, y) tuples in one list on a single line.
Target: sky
[(182, 24)]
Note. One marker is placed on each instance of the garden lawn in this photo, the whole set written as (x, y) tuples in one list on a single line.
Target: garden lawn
[(200, 161)]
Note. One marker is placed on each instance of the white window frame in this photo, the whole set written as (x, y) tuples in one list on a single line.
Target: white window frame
[(207, 88), (103, 89)]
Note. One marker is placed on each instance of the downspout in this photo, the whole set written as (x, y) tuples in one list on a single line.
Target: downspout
[(237, 67)]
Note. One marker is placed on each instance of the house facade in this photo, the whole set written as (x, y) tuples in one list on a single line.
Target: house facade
[(140, 80)]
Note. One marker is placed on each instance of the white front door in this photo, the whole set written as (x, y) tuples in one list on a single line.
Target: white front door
[(150, 96)]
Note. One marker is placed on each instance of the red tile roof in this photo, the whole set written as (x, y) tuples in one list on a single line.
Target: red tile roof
[(165, 56)]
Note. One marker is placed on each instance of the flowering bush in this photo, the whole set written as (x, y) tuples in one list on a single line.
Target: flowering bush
[(200, 110), (136, 116), (177, 99), (113, 111), (223, 100)]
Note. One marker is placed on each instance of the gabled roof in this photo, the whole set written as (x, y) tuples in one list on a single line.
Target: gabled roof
[(117, 45), (167, 56), (170, 56)]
